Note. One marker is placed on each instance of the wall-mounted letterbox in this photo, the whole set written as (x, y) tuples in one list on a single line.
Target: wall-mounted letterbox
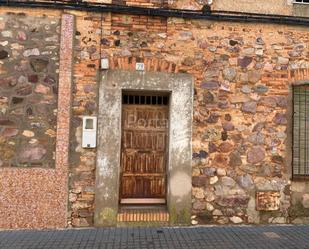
[(89, 137)]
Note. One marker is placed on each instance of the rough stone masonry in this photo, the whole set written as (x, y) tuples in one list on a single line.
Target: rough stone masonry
[(29, 79), (241, 137)]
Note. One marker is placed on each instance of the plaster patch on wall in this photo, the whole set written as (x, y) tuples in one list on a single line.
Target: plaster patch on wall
[(103, 167), (253, 214), (78, 135), (181, 135), (178, 188), (114, 110)]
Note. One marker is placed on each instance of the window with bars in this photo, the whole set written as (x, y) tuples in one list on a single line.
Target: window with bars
[(301, 131), (301, 1), (141, 99)]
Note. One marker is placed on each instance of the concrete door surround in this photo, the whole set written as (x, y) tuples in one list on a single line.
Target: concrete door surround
[(180, 87)]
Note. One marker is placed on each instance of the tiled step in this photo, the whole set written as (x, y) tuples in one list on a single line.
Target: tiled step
[(142, 215)]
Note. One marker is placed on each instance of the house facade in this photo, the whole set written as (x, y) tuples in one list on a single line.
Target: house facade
[(118, 113)]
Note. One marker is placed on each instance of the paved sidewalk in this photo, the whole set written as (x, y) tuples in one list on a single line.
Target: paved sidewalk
[(220, 237)]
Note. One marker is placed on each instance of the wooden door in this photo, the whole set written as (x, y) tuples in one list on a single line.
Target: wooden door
[(144, 153)]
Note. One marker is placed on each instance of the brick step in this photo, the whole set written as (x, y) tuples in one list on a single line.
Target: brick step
[(142, 215)]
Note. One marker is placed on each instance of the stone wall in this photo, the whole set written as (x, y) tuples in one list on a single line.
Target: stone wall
[(29, 56), (241, 102), (242, 74), (34, 100), (82, 161)]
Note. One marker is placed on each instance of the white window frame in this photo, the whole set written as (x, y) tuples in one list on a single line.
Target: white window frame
[(302, 2)]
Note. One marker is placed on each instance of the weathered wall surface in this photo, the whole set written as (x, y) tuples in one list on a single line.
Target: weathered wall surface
[(283, 7), (241, 117), (85, 96), (33, 173), (241, 100), (301, 10), (279, 7), (271, 7), (29, 54)]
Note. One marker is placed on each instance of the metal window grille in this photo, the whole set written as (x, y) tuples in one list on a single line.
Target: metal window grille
[(136, 99), (301, 1), (300, 130)]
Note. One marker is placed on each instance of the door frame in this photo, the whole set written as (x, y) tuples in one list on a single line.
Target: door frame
[(146, 201), (179, 188)]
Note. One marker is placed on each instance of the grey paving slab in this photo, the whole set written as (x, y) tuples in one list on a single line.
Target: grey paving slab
[(206, 237)]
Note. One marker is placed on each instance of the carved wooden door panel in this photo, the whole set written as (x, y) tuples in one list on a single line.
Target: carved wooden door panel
[(144, 153)]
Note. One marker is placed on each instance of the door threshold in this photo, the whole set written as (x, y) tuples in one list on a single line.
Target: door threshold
[(142, 207), (142, 214), (142, 201)]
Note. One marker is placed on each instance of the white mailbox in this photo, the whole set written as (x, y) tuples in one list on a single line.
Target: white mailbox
[(89, 139)]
